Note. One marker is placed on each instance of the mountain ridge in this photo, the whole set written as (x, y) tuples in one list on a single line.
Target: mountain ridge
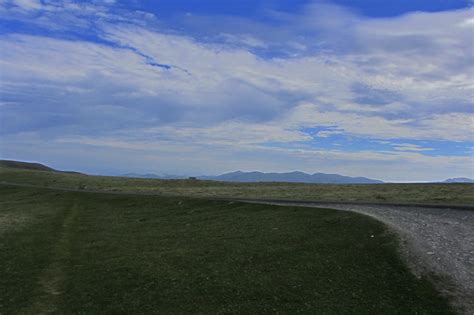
[(292, 177), (459, 180), (239, 176)]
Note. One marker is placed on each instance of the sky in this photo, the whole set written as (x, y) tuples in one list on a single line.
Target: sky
[(382, 89)]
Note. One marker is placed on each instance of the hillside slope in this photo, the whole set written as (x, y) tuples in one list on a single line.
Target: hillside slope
[(30, 166), (26, 165)]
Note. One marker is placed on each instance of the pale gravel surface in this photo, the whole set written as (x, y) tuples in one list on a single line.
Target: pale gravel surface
[(433, 240)]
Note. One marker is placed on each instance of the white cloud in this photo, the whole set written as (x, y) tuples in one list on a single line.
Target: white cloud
[(203, 76), (225, 95), (467, 23), (410, 147), (28, 4)]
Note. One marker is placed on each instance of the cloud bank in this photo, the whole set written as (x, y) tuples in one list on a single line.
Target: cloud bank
[(324, 89)]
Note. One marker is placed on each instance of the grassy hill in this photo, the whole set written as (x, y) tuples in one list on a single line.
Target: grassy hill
[(381, 193), (79, 252), (9, 164), (25, 165)]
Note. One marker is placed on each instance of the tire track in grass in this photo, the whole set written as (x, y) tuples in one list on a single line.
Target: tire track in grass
[(51, 280)]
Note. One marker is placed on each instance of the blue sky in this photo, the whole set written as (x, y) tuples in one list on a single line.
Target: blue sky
[(373, 88)]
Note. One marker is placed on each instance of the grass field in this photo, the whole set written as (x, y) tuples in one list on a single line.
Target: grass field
[(80, 252), (380, 193)]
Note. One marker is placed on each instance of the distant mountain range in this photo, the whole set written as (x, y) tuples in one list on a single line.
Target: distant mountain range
[(459, 180), (292, 177)]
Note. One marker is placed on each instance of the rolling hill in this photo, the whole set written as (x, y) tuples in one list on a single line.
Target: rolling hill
[(26, 165), (31, 166)]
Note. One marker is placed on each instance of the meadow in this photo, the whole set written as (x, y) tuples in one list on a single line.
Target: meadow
[(436, 193), (80, 252), (74, 243)]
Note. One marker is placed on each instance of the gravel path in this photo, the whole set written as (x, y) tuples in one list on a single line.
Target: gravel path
[(433, 240)]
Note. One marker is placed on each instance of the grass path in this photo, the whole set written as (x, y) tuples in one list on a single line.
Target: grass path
[(51, 279), (27, 247)]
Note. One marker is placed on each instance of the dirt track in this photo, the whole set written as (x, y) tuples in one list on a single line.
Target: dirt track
[(439, 240)]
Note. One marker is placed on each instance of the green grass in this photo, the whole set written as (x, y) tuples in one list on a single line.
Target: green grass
[(385, 193), (79, 252)]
